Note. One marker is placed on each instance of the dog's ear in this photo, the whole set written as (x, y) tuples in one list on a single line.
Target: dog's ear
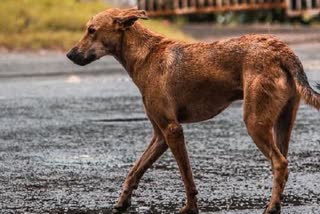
[(128, 18)]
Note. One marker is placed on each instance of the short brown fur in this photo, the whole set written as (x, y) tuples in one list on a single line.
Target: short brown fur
[(191, 82)]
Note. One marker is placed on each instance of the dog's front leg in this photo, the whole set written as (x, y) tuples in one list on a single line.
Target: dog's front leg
[(173, 133), (155, 149)]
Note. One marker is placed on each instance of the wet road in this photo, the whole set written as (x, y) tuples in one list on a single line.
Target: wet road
[(67, 142)]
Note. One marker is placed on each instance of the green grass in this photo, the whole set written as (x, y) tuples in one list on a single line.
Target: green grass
[(55, 24)]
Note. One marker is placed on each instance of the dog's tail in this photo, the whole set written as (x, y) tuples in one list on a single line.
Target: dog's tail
[(293, 65)]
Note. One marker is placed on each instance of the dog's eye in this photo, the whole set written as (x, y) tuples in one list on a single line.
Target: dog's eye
[(91, 30)]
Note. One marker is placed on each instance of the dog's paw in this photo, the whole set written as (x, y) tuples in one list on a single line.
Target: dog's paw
[(121, 207), (189, 210), (275, 209)]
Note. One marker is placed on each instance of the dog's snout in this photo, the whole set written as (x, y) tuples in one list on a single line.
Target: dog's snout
[(72, 53), (69, 55), (81, 58), (91, 55)]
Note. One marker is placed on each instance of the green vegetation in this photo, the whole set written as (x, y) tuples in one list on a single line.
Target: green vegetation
[(54, 24)]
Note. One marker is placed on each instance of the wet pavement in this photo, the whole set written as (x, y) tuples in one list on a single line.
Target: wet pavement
[(68, 141)]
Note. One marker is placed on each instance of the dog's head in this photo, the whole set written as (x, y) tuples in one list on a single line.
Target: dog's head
[(103, 34)]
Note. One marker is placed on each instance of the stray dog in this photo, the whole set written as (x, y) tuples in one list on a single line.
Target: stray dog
[(191, 82)]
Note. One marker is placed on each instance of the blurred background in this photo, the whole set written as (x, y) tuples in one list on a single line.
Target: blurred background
[(56, 25), (69, 134)]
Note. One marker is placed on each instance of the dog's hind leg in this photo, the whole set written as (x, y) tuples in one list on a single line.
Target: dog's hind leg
[(263, 102), (283, 127), (155, 149)]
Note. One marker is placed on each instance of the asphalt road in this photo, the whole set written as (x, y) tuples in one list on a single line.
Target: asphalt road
[(68, 140)]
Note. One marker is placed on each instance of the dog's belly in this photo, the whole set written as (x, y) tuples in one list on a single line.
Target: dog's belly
[(193, 114), (196, 109)]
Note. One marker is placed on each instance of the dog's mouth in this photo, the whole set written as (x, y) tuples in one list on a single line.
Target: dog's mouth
[(75, 56)]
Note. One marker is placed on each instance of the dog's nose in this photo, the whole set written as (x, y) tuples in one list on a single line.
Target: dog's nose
[(71, 54)]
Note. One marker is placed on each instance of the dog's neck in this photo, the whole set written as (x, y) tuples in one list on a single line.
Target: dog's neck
[(136, 44)]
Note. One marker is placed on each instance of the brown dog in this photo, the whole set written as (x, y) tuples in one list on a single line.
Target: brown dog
[(184, 83)]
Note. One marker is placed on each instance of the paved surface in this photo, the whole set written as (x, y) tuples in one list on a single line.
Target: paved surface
[(50, 64), (67, 142)]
